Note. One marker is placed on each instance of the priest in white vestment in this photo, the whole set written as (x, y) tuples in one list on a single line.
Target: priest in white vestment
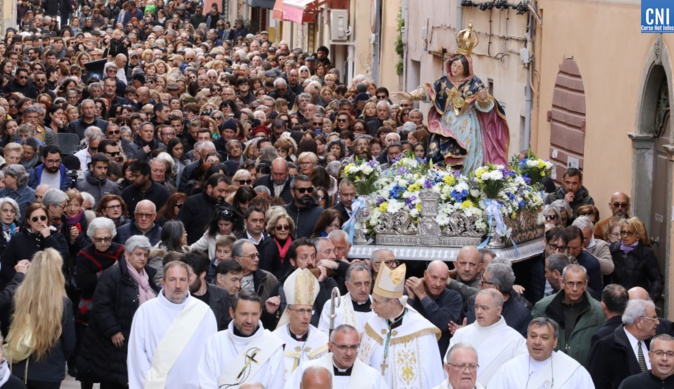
[(348, 372), (541, 366), (168, 334), (496, 343), (399, 342), (461, 367), (354, 307), (303, 342), (245, 352)]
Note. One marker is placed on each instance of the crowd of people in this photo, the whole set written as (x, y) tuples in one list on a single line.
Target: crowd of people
[(172, 203)]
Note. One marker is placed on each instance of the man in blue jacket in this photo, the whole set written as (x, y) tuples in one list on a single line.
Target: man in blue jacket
[(51, 172)]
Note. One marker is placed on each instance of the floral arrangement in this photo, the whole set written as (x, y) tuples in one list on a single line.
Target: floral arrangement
[(532, 168), (399, 188), (363, 175)]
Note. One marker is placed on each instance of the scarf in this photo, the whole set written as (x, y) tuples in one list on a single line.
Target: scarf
[(145, 292), (283, 251), (75, 220), (5, 372), (10, 229), (627, 249)]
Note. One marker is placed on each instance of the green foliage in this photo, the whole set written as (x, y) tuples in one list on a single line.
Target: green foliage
[(399, 42)]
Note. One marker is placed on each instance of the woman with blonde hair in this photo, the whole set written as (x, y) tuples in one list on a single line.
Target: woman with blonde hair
[(41, 336)]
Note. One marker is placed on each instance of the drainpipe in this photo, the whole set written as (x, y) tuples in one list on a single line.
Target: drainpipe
[(527, 90), (459, 16), (377, 43)]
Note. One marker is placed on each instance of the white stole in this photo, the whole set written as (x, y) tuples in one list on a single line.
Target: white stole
[(362, 375), (174, 342), (562, 367), (249, 361)]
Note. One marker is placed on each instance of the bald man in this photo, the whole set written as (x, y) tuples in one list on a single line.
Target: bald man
[(639, 293), (278, 182), (620, 208), (468, 269), (434, 301), (316, 377)]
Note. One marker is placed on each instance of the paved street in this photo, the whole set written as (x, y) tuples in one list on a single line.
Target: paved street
[(70, 383)]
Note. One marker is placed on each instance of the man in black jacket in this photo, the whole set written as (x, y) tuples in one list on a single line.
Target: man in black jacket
[(214, 296), (613, 302), (197, 210), (88, 119), (661, 375), (624, 352), (304, 209), (347, 193), (278, 181), (20, 84), (143, 188)]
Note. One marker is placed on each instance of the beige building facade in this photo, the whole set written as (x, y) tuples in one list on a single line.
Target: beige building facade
[(604, 100)]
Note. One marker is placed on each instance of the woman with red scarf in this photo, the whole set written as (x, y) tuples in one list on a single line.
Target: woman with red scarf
[(280, 228)]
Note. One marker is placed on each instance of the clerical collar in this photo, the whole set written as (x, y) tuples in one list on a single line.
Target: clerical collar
[(341, 372), (299, 338), (240, 334), (398, 321), (361, 307)]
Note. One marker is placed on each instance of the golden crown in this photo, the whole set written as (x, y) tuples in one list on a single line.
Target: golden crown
[(467, 40)]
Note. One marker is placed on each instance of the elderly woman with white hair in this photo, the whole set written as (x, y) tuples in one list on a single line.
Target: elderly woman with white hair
[(16, 188), (121, 289)]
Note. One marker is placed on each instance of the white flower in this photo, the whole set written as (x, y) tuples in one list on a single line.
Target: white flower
[(394, 206), (532, 163), (366, 169), (402, 182), (414, 213), (442, 219)]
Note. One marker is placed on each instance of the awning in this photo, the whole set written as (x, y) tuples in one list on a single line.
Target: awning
[(268, 4), (298, 11)]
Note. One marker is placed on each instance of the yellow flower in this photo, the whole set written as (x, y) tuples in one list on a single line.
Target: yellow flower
[(418, 207), (513, 215), (414, 188), (449, 180), (479, 172), (466, 204), (383, 207), (541, 164)]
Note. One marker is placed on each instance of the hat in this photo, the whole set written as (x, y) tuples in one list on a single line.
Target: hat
[(361, 97), (133, 54), (262, 129), (390, 283), (231, 124), (264, 33), (172, 86), (271, 73), (140, 76), (181, 7), (312, 59), (301, 288)]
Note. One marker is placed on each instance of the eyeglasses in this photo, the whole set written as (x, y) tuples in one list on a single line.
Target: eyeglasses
[(344, 348), (284, 227), (116, 206), (303, 311), (216, 89), (620, 205), (381, 97), (251, 256), (245, 182), (626, 233), (317, 123), (342, 120), (144, 215), (114, 154), (660, 353), (105, 239), (470, 367), (34, 219), (555, 247), (653, 319), (550, 217), (483, 281), (305, 190)]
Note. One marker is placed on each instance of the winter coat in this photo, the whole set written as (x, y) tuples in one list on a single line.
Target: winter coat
[(196, 213), (36, 177), (24, 196), (78, 126), (129, 229), (639, 267), (52, 366), (218, 300), (132, 195), (115, 303), (581, 198), (89, 265), (588, 322), (97, 188), (24, 245), (305, 218)]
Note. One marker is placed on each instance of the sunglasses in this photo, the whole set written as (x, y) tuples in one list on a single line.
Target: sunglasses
[(341, 120), (318, 123), (381, 97), (114, 154), (620, 205), (550, 217), (305, 190), (113, 132), (284, 227), (245, 182), (34, 219)]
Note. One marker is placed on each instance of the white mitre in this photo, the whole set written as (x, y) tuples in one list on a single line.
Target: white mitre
[(301, 288)]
